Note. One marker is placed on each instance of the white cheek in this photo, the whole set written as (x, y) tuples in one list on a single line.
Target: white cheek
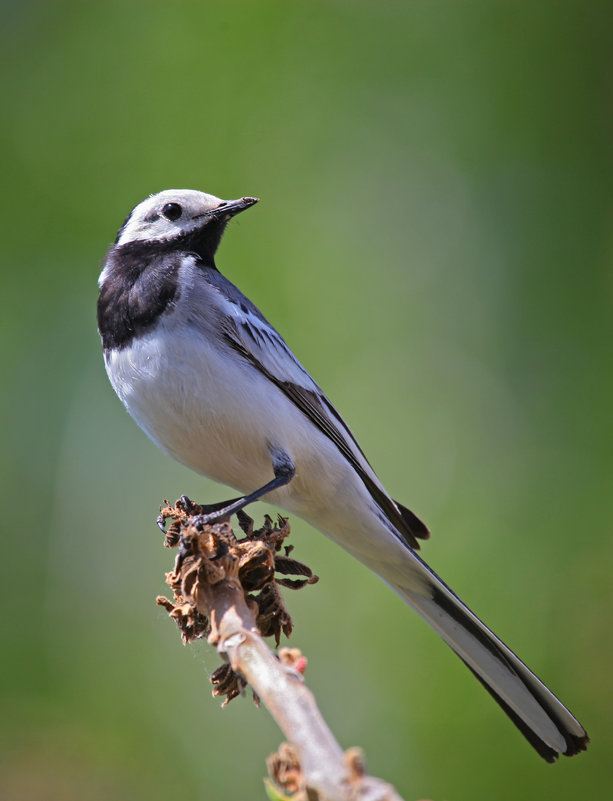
[(155, 229), (103, 276)]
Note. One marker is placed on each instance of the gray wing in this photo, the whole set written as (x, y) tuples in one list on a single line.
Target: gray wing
[(244, 329)]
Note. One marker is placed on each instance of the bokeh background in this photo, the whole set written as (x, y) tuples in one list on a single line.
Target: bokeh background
[(435, 242)]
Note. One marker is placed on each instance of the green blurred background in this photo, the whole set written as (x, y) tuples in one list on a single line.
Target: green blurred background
[(435, 241)]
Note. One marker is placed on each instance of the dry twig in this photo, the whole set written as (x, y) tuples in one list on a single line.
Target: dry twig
[(227, 589)]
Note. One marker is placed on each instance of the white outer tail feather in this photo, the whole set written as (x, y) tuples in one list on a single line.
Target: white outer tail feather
[(541, 717)]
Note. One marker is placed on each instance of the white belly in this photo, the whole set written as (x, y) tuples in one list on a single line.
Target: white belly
[(221, 417)]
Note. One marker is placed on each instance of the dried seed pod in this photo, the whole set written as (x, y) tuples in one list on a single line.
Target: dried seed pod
[(208, 554), (227, 682)]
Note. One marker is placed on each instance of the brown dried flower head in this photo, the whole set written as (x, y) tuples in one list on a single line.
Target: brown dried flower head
[(259, 561)]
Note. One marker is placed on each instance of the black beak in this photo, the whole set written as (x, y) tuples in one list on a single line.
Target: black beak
[(232, 207)]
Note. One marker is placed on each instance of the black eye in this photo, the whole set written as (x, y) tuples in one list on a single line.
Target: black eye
[(172, 211)]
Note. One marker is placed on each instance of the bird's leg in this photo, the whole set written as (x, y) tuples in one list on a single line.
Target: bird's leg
[(206, 508), (284, 471)]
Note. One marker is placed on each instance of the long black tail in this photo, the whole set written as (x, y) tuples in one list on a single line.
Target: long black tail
[(541, 717)]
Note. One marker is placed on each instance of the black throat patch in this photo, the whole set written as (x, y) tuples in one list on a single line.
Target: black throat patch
[(141, 282)]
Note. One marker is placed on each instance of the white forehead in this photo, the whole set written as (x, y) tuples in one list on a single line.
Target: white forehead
[(148, 222)]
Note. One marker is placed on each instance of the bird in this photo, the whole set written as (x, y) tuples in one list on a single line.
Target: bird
[(215, 386)]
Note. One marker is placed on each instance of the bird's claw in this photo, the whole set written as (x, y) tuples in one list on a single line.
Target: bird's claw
[(161, 522)]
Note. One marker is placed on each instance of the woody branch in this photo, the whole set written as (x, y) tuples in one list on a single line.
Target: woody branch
[(214, 583)]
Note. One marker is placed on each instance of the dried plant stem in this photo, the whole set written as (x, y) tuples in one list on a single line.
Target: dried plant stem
[(227, 588), (324, 765)]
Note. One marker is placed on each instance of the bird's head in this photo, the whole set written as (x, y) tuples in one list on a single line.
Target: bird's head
[(179, 214)]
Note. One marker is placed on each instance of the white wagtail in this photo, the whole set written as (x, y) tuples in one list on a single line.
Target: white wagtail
[(208, 378)]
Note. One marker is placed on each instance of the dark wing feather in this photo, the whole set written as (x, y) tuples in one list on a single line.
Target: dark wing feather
[(417, 527), (240, 334)]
